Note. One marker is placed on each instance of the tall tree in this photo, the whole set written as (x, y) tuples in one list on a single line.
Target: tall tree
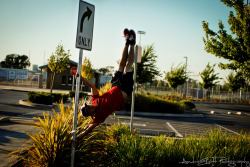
[(16, 61), (58, 62), (146, 70), (208, 77), (235, 47), (87, 69), (234, 82), (107, 71), (176, 76)]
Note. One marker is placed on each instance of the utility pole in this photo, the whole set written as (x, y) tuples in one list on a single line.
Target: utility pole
[(133, 93), (185, 85), (44, 58), (141, 33)]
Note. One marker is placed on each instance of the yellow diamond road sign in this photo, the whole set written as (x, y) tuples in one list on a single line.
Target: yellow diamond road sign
[(85, 26)]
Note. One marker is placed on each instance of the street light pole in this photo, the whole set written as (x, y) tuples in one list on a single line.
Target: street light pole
[(134, 77), (134, 87), (185, 85), (141, 32)]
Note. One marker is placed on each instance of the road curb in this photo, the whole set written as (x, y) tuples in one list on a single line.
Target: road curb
[(40, 106)]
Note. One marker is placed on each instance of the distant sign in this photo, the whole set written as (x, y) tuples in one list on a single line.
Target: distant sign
[(85, 26), (22, 75), (73, 71), (12, 74)]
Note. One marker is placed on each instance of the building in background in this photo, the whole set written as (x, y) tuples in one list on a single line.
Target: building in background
[(64, 80), (105, 79)]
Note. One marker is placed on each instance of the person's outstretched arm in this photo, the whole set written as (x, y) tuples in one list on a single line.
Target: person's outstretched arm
[(89, 84), (88, 130)]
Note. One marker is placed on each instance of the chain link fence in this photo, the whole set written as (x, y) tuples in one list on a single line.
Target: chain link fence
[(22, 78), (194, 93), (22, 83)]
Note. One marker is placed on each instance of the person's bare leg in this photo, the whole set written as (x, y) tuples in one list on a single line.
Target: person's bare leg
[(123, 60), (130, 61)]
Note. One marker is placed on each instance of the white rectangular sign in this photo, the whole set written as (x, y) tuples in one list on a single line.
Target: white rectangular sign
[(22, 75), (85, 26)]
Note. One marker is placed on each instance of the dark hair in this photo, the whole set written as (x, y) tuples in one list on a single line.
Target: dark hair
[(84, 110)]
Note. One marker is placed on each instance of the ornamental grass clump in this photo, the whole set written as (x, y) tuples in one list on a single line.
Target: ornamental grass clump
[(105, 88), (51, 146)]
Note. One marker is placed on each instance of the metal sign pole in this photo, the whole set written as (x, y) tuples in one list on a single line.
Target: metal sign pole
[(76, 106), (133, 94), (73, 83)]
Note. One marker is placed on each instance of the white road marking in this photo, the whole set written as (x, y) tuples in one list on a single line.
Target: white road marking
[(239, 113), (227, 129), (128, 117), (177, 134), (135, 124)]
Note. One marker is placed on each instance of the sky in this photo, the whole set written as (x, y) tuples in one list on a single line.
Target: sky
[(36, 27)]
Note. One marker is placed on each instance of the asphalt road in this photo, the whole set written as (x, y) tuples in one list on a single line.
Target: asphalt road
[(181, 127), (9, 103)]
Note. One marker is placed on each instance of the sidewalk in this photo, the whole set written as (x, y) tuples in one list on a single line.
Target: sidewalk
[(27, 89)]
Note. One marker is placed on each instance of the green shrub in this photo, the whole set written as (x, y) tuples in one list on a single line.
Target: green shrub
[(59, 96), (40, 97), (81, 94), (46, 98), (187, 104), (72, 93), (149, 103)]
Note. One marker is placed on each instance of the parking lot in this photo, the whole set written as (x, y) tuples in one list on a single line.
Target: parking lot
[(225, 117)]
